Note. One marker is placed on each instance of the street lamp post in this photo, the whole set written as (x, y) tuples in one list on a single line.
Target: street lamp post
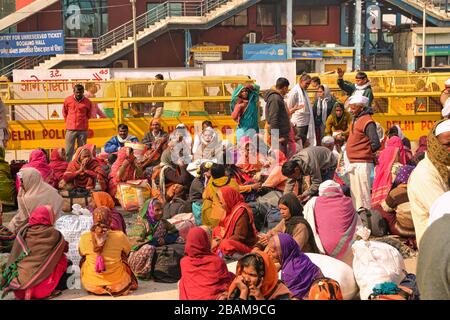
[(424, 24), (135, 47)]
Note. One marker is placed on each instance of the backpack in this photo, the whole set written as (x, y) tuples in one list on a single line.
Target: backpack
[(373, 220), (390, 291), (325, 289), (80, 196), (166, 261)]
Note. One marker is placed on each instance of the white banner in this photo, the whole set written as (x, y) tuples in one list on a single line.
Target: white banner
[(150, 73)]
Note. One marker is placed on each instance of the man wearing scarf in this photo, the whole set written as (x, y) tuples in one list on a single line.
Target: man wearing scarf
[(361, 87), (430, 179), (117, 142)]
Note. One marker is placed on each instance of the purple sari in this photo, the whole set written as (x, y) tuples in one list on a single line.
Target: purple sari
[(297, 270)]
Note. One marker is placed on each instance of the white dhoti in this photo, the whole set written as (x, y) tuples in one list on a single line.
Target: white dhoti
[(360, 185)]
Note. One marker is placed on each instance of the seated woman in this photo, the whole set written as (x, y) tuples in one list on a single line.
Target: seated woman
[(33, 192), (84, 171), (333, 221), (249, 160), (236, 232), (423, 143), (204, 275), (257, 279), (104, 253), (175, 202), (275, 179), (212, 210), (298, 272), (338, 120), (390, 160), (37, 262), (210, 146), (396, 131), (149, 231), (7, 185), (103, 199), (123, 169), (294, 224), (58, 164), (39, 161), (172, 173)]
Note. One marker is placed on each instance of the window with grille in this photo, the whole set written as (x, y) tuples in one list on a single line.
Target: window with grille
[(241, 19), (265, 15)]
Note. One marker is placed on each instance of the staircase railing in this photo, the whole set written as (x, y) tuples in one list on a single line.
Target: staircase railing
[(23, 63), (441, 4)]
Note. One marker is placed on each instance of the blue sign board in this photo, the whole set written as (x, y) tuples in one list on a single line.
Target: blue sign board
[(307, 54), (26, 44), (265, 51)]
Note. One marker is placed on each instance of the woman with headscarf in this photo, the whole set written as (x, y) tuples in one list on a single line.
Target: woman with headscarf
[(58, 164), (338, 121), (7, 185), (38, 160), (104, 253), (257, 279), (37, 262), (244, 110), (249, 161), (430, 179), (210, 147), (33, 192), (123, 169), (204, 275), (333, 221), (84, 171), (236, 232), (420, 152), (275, 179), (390, 160), (148, 232), (103, 199), (294, 224), (322, 109), (397, 131), (298, 272), (182, 136)]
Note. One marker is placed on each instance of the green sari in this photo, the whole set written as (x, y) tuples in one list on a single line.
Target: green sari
[(249, 119), (7, 185)]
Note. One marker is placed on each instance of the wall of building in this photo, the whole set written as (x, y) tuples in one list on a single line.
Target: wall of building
[(48, 19)]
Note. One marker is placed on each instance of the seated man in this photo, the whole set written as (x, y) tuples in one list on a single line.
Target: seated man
[(117, 142), (156, 140)]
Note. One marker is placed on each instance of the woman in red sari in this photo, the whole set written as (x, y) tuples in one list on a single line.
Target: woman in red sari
[(38, 160), (37, 262), (236, 232), (393, 152), (123, 169), (84, 171), (204, 275), (58, 164)]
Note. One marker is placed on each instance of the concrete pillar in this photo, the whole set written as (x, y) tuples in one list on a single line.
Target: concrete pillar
[(358, 33), (344, 31), (187, 47), (289, 28)]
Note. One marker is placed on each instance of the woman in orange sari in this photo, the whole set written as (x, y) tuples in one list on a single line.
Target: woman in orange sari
[(84, 171), (236, 232), (257, 279)]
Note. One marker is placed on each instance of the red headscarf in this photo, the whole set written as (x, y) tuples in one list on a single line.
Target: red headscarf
[(249, 163), (422, 145), (58, 164), (38, 161), (203, 274), (41, 215), (92, 165), (396, 142)]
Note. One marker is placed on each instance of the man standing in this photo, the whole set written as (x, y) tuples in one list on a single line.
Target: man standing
[(361, 87), (317, 162), (159, 88), (76, 111), (276, 114), (117, 142), (300, 108), (363, 142)]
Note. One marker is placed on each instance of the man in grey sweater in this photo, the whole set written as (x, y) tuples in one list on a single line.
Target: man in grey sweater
[(317, 162), (276, 115)]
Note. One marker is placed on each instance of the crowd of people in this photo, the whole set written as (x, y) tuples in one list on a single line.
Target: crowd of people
[(304, 185)]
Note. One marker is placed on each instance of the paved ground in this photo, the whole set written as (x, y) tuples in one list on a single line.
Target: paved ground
[(148, 290)]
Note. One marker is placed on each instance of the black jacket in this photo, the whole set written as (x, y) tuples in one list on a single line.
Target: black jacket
[(276, 114)]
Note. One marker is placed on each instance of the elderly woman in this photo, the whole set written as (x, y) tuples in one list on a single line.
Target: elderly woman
[(104, 268), (123, 169), (148, 232), (236, 232), (58, 164), (293, 223), (333, 220), (37, 262), (84, 171), (298, 272), (244, 110), (33, 192), (210, 147), (257, 279), (39, 161), (204, 275)]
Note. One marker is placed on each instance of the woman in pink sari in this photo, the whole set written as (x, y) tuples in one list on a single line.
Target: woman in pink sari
[(38, 160), (123, 169), (382, 184)]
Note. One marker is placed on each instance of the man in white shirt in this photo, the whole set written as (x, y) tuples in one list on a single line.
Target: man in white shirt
[(300, 108)]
